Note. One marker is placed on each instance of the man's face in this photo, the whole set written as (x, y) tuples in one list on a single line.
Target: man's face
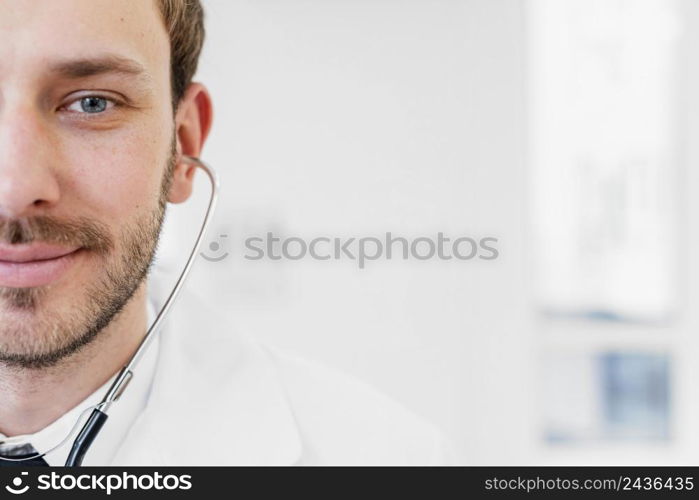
[(86, 138)]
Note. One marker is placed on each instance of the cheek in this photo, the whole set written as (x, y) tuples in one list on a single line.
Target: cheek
[(116, 175)]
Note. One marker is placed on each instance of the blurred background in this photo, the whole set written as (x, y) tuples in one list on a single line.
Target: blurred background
[(566, 129)]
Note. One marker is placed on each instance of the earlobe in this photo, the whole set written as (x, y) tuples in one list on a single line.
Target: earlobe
[(192, 124), (182, 183)]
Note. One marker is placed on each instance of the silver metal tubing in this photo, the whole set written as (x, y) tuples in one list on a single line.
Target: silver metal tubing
[(126, 373)]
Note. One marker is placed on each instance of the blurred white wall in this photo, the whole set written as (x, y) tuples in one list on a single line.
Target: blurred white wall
[(349, 118), (345, 118)]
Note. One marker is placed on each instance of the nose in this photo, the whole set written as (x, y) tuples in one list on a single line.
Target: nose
[(27, 182)]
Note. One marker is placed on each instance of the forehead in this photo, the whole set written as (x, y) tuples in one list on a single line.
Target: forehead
[(36, 33)]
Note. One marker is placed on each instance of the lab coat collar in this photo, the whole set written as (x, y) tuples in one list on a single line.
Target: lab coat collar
[(216, 399)]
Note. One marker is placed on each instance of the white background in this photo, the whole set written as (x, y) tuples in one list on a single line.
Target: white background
[(350, 118)]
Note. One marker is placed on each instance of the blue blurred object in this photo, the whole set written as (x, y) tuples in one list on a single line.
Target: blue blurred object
[(636, 395)]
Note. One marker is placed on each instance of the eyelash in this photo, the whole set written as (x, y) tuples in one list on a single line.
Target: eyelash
[(111, 105)]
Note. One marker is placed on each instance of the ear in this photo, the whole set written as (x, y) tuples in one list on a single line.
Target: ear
[(192, 125)]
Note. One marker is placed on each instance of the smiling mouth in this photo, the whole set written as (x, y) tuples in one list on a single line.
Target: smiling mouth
[(35, 264)]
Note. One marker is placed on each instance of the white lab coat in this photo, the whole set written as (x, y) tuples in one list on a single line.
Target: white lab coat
[(220, 398)]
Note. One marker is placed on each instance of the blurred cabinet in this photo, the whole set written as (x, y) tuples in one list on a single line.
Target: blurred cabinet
[(604, 99)]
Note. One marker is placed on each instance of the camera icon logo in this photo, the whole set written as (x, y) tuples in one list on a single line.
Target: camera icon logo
[(16, 488)]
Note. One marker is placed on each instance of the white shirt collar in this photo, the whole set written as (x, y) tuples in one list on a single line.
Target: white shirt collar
[(122, 415), (217, 384)]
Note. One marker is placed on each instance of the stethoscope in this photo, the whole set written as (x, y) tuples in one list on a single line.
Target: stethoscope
[(99, 415)]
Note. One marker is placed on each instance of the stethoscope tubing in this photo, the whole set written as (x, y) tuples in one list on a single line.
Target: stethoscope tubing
[(99, 415)]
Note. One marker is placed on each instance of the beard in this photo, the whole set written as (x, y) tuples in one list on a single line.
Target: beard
[(56, 335)]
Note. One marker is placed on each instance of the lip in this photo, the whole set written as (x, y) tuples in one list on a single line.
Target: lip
[(35, 264)]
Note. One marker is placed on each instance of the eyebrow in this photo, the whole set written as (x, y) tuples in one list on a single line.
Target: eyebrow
[(92, 66)]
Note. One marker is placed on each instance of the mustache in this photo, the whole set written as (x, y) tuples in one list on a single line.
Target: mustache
[(82, 232)]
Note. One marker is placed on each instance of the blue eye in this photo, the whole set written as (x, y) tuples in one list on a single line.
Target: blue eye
[(91, 105)]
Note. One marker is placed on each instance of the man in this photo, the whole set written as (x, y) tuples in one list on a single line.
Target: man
[(97, 108)]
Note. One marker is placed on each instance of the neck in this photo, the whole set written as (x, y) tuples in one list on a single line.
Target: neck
[(33, 398)]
